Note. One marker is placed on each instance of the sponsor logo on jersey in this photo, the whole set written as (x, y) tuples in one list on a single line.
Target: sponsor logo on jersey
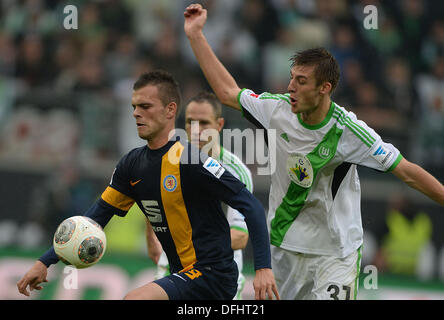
[(170, 183), (159, 229), (214, 167), (254, 95), (300, 170), (152, 210)]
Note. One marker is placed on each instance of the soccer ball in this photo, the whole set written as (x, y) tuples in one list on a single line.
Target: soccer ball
[(79, 241)]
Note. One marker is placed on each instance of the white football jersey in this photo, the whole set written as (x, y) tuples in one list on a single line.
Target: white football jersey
[(315, 196)]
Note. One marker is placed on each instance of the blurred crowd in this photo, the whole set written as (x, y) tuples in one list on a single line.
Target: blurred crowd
[(66, 115), (65, 94)]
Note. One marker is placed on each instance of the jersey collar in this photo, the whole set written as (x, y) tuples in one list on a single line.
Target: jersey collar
[(221, 153), (322, 123)]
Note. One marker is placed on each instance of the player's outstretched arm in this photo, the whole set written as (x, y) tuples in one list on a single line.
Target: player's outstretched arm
[(419, 179), (220, 80)]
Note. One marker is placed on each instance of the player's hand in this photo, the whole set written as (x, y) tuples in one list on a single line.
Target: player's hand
[(195, 18), (36, 275), (264, 284)]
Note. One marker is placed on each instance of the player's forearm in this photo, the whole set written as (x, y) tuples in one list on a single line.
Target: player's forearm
[(100, 212), (419, 179), (152, 243), (49, 257), (220, 80), (254, 214), (239, 239), (428, 185), (151, 238)]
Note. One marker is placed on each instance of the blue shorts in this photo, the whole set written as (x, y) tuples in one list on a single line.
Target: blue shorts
[(201, 283)]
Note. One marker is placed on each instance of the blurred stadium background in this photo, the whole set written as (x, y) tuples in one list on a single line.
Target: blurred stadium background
[(65, 120)]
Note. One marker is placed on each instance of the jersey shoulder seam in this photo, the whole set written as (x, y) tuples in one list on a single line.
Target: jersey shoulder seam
[(359, 131)]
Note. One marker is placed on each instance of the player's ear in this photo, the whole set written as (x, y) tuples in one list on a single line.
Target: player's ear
[(220, 123), (171, 110), (325, 88)]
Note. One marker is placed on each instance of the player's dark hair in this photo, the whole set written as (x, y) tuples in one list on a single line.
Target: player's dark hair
[(166, 84), (326, 66), (210, 98)]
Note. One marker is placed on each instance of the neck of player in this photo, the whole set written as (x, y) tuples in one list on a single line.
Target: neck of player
[(318, 113), (214, 152), (161, 139)]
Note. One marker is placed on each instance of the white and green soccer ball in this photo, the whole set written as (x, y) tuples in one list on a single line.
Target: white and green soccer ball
[(79, 241)]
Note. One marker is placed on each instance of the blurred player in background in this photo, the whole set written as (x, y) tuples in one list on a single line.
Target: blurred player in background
[(204, 112), (181, 199), (314, 206)]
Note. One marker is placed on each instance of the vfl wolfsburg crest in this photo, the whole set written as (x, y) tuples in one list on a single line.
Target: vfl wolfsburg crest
[(324, 152), (300, 170)]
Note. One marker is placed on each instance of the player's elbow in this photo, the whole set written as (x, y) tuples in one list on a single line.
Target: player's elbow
[(406, 171), (239, 239), (228, 96), (243, 241)]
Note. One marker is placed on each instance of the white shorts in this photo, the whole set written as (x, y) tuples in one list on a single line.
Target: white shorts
[(302, 276)]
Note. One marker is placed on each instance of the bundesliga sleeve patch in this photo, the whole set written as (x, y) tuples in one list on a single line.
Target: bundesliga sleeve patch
[(383, 155), (214, 167)]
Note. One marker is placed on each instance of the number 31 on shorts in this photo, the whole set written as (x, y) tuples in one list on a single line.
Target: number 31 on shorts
[(337, 292)]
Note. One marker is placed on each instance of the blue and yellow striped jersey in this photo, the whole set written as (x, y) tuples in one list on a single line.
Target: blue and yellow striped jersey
[(179, 190)]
